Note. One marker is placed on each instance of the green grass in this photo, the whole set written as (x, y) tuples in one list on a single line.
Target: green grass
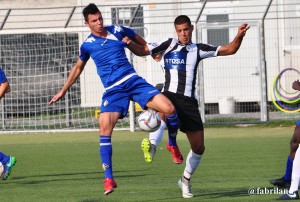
[(66, 167)]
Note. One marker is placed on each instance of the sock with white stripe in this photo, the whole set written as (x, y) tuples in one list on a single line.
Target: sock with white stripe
[(192, 162), (106, 155)]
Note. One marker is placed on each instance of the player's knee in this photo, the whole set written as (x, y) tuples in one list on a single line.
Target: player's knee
[(105, 129), (199, 150), (172, 110), (168, 110)]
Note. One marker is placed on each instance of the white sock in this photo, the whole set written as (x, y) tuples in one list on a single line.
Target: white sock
[(156, 136), (192, 162), (0, 164), (296, 172)]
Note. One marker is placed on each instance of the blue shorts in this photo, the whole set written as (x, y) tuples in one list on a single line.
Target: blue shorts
[(135, 88)]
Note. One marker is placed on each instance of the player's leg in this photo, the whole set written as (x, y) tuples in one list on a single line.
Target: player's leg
[(293, 191), (196, 139), (295, 140), (8, 163), (149, 145), (161, 104), (149, 97), (172, 123), (285, 180), (107, 121), (114, 105), (192, 125), (295, 173), (156, 137)]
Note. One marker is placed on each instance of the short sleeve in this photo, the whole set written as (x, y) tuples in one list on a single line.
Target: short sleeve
[(84, 54), (2, 76), (207, 51), (159, 46)]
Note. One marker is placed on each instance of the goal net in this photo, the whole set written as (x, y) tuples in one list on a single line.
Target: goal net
[(37, 66)]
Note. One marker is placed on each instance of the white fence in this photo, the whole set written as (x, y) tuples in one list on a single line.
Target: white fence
[(39, 47)]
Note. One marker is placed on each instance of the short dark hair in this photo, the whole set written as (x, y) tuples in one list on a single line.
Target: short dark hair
[(182, 19), (90, 9)]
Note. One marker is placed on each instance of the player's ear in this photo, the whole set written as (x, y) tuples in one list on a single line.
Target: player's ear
[(192, 27)]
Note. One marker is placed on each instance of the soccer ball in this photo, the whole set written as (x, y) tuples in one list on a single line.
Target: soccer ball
[(149, 120)]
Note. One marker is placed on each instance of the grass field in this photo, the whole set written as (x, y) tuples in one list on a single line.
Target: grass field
[(66, 166)]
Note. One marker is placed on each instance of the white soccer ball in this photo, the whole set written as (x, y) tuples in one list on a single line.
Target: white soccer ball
[(149, 120)]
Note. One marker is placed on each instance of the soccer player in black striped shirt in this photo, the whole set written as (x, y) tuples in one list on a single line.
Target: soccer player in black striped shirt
[(180, 59)]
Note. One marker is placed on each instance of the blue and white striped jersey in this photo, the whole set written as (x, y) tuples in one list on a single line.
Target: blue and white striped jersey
[(180, 63), (109, 54)]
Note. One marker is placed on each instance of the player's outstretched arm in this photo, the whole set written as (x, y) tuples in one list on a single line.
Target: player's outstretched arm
[(234, 46), (137, 49), (74, 74), (139, 40)]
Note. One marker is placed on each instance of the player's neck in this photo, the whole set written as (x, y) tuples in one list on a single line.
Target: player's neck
[(102, 34)]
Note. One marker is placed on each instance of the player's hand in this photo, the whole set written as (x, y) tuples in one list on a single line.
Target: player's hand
[(157, 57), (243, 29), (57, 97), (296, 85), (127, 40)]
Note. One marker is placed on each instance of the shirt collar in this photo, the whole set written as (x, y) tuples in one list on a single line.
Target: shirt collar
[(183, 44)]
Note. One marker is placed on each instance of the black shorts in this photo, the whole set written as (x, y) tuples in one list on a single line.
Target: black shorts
[(187, 111)]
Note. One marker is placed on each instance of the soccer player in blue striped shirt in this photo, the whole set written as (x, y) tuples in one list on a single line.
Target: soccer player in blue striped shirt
[(122, 84)]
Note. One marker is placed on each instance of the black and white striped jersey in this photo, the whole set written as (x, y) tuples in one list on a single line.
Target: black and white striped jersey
[(180, 63)]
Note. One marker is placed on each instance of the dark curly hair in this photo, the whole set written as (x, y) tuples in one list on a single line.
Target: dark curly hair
[(182, 19), (90, 9)]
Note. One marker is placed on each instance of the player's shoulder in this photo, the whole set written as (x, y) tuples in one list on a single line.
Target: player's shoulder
[(115, 28), (120, 31), (91, 38), (204, 46)]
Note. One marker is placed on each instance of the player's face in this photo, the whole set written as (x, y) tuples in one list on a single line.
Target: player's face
[(184, 32), (95, 23)]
